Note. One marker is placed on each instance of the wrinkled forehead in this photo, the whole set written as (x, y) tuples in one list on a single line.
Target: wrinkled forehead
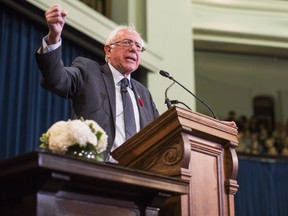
[(128, 34)]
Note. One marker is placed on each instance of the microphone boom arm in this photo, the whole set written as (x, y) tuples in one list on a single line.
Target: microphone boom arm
[(213, 114), (167, 101), (166, 74)]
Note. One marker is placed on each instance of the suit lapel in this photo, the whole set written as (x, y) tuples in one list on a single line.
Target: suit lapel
[(110, 87), (140, 108)]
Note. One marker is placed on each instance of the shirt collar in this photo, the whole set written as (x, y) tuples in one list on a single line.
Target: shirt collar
[(117, 76)]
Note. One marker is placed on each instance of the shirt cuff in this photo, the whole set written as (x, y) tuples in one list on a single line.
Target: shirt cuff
[(45, 48)]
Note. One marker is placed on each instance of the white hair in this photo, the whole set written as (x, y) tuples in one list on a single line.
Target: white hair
[(117, 30)]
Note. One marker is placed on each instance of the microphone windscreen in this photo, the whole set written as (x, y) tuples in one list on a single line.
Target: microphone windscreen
[(164, 73)]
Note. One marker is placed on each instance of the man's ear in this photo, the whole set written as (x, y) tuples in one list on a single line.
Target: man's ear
[(107, 50)]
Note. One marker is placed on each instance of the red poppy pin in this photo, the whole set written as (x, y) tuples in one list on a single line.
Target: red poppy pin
[(140, 101)]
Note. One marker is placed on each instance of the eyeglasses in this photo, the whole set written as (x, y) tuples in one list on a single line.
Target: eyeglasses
[(130, 43)]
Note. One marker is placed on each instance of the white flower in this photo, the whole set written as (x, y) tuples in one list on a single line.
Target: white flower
[(81, 133), (58, 137), (102, 142), (63, 134)]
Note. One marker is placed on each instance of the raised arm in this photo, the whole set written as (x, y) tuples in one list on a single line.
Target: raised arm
[(55, 18)]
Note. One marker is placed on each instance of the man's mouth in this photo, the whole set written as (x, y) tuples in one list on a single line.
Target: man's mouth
[(131, 58)]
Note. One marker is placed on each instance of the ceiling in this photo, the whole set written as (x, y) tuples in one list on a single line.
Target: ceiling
[(245, 66)]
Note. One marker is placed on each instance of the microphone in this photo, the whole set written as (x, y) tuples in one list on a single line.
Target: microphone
[(167, 101), (167, 75)]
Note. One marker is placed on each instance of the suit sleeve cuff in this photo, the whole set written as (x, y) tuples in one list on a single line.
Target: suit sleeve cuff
[(45, 48)]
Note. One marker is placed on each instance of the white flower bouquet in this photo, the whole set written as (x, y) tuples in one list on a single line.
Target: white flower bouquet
[(79, 137)]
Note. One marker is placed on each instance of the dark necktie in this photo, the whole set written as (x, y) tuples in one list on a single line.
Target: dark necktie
[(129, 117)]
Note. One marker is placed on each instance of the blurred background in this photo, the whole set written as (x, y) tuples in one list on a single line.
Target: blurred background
[(231, 53)]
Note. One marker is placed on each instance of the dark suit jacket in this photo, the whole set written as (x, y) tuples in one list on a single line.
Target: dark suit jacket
[(90, 88)]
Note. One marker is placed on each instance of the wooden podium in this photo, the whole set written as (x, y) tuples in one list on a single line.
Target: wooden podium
[(192, 147), (45, 184)]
